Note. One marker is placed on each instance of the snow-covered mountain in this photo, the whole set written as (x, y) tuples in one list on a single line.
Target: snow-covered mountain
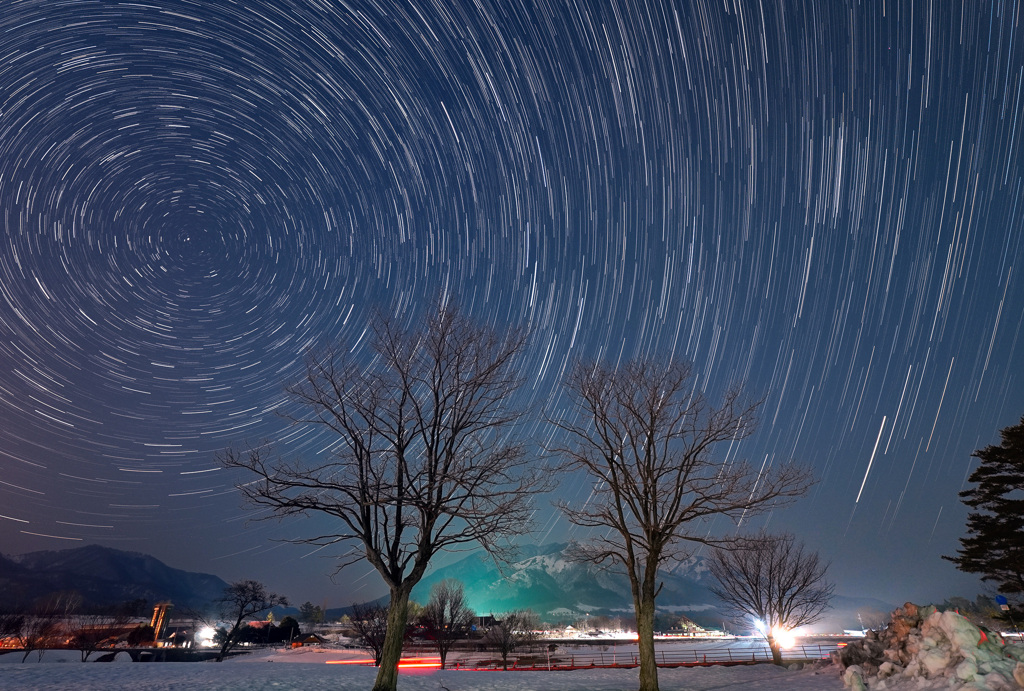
[(545, 580)]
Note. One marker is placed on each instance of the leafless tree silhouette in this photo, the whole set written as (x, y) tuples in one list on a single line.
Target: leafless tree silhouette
[(775, 580), (446, 616), (371, 623), (243, 599), (514, 630), (646, 434), (426, 459)]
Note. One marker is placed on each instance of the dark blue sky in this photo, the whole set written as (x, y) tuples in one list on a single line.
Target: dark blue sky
[(820, 199)]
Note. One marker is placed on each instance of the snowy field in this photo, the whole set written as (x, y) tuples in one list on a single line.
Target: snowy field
[(307, 669)]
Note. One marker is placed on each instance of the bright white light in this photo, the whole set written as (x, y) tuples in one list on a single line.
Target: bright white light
[(205, 636), (784, 638), (760, 626)]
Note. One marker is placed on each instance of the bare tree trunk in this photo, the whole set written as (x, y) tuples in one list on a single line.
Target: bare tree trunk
[(645, 642), (229, 641), (428, 458), (225, 644), (391, 652), (772, 579), (773, 644), (645, 638), (446, 616), (646, 434)]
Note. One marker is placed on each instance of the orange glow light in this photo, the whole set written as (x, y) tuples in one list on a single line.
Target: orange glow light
[(405, 663)]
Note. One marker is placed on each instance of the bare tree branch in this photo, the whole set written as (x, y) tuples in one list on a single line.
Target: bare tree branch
[(447, 616), (514, 630), (241, 600), (425, 460), (773, 579), (647, 434), (370, 621)]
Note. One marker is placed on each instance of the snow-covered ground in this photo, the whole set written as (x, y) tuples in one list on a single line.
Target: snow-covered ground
[(339, 669), (921, 649), (307, 669)]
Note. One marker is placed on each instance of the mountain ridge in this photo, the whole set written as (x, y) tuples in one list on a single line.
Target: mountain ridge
[(542, 578), (103, 576)]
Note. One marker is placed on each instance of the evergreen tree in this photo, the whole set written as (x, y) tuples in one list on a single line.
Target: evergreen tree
[(994, 544), (288, 629), (310, 613)]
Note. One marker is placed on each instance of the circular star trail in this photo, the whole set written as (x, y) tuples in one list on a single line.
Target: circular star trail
[(820, 200)]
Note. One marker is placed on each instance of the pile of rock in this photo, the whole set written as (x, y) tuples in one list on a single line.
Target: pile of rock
[(922, 643)]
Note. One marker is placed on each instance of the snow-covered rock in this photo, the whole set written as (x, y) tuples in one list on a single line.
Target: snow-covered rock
[(925, 644)]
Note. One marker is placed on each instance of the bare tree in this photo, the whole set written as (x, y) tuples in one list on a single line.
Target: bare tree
[(371, 623), (646, 434), (514, 630), (243, 599), (11, 625), (446, 616), (424, 461), (38, 633), (47, 625), (97, 629), (91, 631), (775, 580)]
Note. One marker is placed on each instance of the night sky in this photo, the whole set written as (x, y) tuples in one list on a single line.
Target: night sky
[(820, 199)]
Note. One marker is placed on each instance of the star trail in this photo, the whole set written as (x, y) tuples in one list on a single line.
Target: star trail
[(822, 200)]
